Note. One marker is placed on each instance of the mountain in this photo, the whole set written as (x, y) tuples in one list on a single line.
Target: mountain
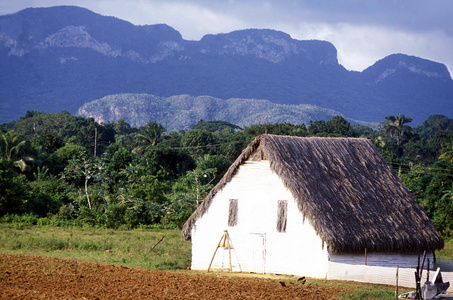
[(63, 57), (183, 111)]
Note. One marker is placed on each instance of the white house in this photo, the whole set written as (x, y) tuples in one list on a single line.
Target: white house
[(294, 205)]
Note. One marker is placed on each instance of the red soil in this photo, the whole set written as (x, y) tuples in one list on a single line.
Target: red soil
[(36, 277)]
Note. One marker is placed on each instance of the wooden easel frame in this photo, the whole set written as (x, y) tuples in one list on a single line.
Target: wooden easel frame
[(223, 243)]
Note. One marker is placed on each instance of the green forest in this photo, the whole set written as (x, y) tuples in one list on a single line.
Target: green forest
[(64, 170)]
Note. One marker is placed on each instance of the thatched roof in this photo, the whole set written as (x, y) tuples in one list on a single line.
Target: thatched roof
[(344, 187)]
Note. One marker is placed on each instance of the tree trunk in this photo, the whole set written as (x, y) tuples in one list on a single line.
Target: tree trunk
[(86, 191)]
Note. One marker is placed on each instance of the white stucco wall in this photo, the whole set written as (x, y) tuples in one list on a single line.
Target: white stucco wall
[(256, 244)]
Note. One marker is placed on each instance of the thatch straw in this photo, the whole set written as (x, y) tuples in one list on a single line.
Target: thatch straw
[(344, 187)]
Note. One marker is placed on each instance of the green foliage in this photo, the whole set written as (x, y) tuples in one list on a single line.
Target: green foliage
[(123, 128), (443, 218), (89, 134), (362, 130), (61, 157), (10, 146), (12, 153), (432, 188), (148, 136), (47, 196), (396, 129), (198, 141), (277, 128), (148, 188), (447, 153), (68, 184), (434, 124), (14, 192), (42, 127), (337, 126), (49, 142), (167, 163)]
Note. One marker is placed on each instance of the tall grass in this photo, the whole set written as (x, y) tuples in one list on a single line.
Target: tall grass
[(123, 247)]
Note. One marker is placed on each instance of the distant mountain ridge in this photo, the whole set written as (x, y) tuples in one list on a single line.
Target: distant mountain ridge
[(181, 112), (63, 57)]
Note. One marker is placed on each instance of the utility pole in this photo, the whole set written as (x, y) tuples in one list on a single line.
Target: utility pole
[(95, 139)]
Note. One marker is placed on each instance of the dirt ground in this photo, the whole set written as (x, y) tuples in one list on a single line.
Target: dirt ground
[(36, 277)]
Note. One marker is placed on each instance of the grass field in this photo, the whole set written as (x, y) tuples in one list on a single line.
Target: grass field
[(121, 247), (132, 248), (447, 252)]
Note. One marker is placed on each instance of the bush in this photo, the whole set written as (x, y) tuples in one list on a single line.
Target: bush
[(25, 219)]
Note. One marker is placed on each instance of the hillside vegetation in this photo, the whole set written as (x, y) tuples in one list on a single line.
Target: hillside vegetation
[(181, 112), (62, 169)]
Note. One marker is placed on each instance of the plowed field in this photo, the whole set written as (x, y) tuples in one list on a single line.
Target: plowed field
[(36, 277)]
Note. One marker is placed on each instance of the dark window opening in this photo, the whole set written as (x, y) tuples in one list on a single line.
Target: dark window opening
[(282, 210), (233, 213)]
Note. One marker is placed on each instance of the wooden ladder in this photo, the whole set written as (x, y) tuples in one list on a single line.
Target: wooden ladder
[(223, 243)]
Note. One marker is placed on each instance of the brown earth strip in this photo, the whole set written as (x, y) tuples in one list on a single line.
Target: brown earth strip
[(37, 277)]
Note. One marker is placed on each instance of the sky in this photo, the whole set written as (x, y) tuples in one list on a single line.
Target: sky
[(363, 31)]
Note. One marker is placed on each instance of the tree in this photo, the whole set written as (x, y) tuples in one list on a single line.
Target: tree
[(49, 142), (167, 163), (10, 145), (198, 141), (339, 126), (13, 189), (434, 124), (276, 128), (10, 150), (363, 130), (33, 126), (30, 114), (145, 199), (80, 129), (215, 125), (61, 157), (196, 184), (232, 145), (447, 153), (81, 169), (88, 133), (395, 127), (47, 195), (148, 136), (120, 159), (444, 216), (317, 127), (122, 127)]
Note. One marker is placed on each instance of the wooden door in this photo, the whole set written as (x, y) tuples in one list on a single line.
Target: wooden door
[(258, 241)]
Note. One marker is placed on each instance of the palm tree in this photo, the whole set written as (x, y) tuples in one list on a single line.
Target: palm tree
[(395, 127), (10, 150), (148, 137)]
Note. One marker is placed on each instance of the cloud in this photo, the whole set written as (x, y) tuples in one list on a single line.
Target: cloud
[(362, 31), (193, 21), (360, 46)]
